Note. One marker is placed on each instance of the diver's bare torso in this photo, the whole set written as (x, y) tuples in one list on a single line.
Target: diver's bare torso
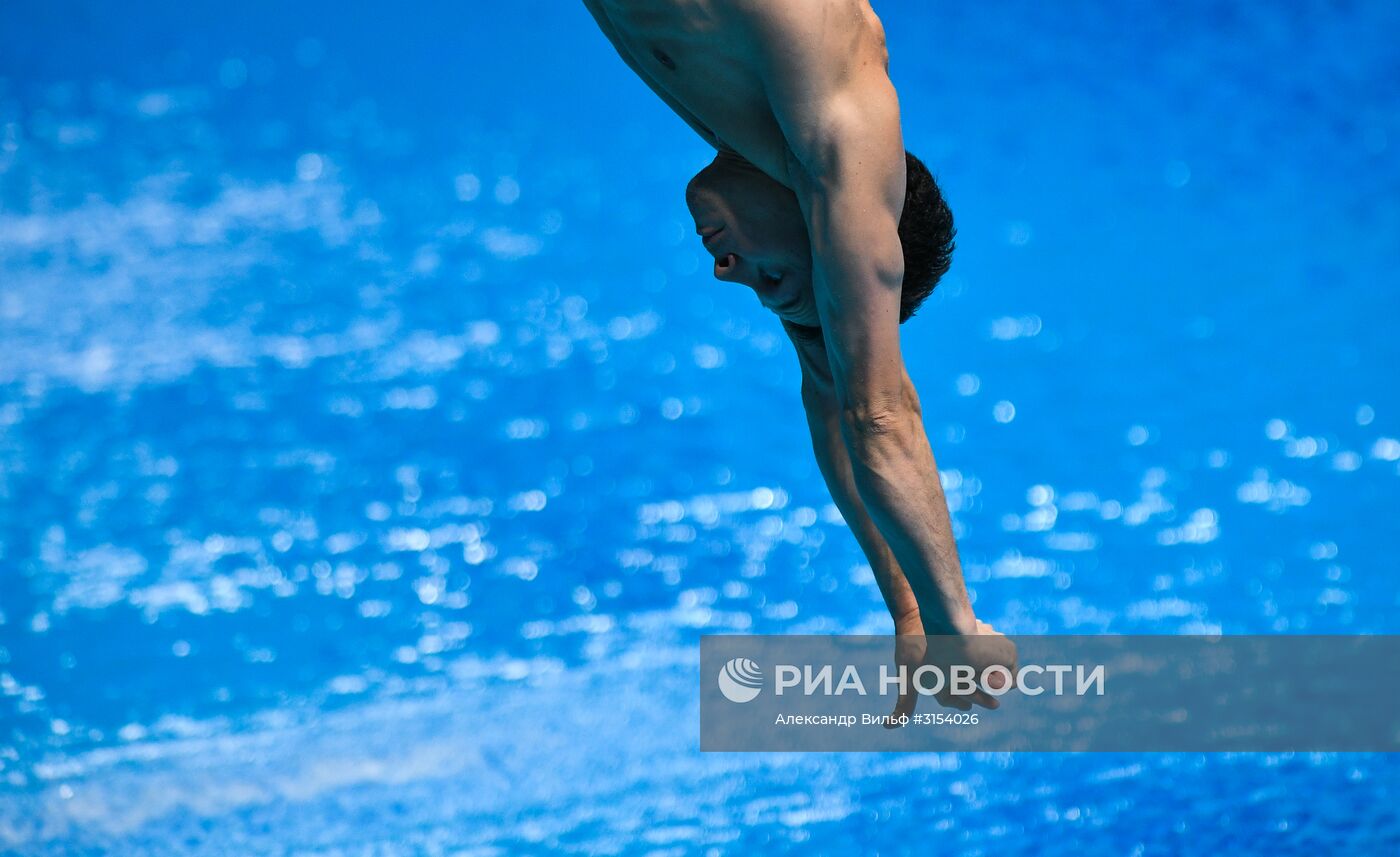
[(697, 55)]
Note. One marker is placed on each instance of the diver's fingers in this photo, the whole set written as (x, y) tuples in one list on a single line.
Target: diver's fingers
[(998, 680), (903, 707), (949, 700)]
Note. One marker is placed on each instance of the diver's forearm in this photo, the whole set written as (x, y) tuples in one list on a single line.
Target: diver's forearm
[(835, 465), (896, 477)]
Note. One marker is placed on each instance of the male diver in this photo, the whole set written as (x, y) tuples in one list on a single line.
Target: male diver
[(812, 202)]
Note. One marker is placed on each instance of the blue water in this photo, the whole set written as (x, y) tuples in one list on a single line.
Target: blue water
[(375, 447)]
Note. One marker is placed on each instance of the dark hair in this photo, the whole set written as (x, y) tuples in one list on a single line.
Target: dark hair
[(926, 231)]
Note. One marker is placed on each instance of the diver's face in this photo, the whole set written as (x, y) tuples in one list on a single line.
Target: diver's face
[(754, 229)]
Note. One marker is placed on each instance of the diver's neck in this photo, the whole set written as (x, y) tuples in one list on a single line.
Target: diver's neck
[(735, 158)]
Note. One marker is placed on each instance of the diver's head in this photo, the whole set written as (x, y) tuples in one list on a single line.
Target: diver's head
[(753, 227)]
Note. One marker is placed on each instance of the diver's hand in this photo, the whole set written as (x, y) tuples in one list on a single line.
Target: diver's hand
[(986, 647), (909, 649)]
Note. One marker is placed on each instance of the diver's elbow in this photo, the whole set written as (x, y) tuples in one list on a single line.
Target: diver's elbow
[(880, 421)]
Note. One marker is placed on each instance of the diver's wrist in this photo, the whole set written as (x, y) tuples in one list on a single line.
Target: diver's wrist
[(947, 620)]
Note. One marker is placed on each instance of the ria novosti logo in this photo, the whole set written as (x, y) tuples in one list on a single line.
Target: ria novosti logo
[(740, 680)]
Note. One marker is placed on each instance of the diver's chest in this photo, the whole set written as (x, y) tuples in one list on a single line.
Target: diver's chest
[(686, 45), (695, 52)]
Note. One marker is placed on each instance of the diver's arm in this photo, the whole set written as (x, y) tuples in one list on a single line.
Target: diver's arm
[(883, 478), (840, 117), (858, 268), (824, 422)]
